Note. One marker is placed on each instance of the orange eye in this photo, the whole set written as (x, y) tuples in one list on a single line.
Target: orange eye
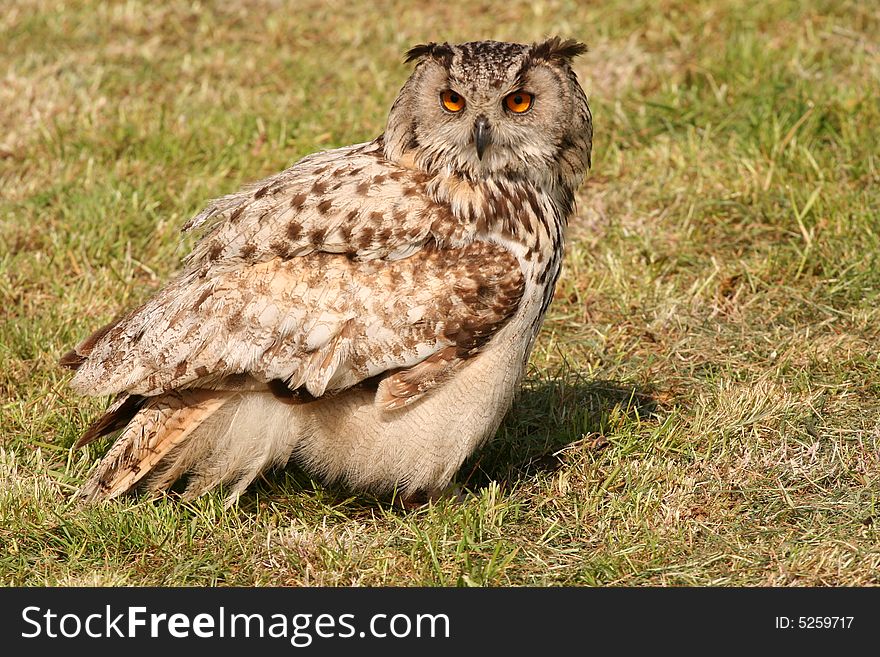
[(452, 101), (519, 102)]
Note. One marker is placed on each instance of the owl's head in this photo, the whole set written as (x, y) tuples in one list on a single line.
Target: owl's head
[(490, 109)]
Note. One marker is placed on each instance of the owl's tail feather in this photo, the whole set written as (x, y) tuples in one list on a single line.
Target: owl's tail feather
[(160, 425), (211, 437)]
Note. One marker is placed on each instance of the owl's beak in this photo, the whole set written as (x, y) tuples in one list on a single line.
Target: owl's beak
[(482, 135)]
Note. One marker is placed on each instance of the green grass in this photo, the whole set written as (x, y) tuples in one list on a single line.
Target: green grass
[(703, 404)]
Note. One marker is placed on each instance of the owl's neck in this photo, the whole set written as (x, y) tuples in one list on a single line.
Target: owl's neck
[(527, 219), (505, 200), (472, 195), (528, 216)]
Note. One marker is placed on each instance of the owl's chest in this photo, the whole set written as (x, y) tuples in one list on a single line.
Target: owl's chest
[(536, 239), (525, 219)]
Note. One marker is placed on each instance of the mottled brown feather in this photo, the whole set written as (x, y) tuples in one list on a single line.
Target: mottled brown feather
[(77, 356), (297, 321), (161, 424), (114, 418)]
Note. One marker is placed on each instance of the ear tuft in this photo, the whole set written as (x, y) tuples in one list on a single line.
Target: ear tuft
[(559, 50), (435, 50)]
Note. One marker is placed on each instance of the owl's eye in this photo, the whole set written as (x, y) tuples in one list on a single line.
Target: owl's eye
[(451, 101), (519, 101)]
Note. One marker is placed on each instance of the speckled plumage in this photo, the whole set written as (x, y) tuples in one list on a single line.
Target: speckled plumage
[(368, 311)]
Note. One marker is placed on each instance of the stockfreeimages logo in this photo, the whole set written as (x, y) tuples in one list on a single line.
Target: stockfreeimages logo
[(300, 629)]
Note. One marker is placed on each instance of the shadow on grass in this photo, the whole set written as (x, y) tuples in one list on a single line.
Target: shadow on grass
[(549, 415)]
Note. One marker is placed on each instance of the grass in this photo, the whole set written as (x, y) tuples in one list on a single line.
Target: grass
[(703, 404)]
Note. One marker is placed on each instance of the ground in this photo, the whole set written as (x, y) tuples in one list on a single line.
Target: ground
[(703, 404)]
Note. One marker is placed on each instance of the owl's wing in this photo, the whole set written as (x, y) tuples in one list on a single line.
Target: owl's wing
[(350, 201), (321, 322), (317, 294)]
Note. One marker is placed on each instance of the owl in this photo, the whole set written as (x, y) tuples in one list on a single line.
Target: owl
[(368, 312)]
